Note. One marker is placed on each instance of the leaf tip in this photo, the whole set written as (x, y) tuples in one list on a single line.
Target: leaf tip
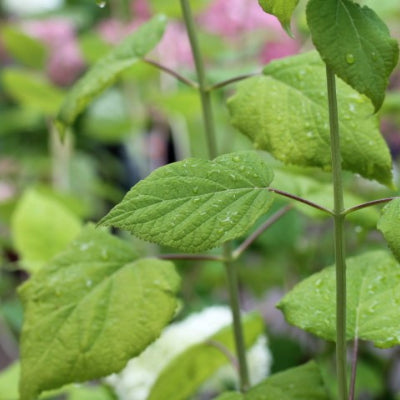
[(286, 26)]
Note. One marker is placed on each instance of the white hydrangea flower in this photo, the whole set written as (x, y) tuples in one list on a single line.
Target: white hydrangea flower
[(30, 7), (136, 380)]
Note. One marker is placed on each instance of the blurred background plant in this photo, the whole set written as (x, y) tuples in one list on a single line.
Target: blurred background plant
[(49, 188)]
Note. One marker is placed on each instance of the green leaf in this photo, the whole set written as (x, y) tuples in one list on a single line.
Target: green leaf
[(24, 48), (285, 112), (104, 73), (194, 366), (41, 228), (196, 204), (90, 311), (9, 382), (32, 90), (282, 9), (389, 225), (300, 383), (355, 43), (373, 281)]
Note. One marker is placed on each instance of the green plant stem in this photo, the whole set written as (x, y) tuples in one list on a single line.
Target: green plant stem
[(368, 204), (204, 93), (171, 72), (208, 119), (233, 286), (270, 221), (235, 79), (338, 217), (354, 370), (301, 200)]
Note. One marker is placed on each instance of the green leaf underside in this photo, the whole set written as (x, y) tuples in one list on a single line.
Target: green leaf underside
[(282, 9), (285, 112), (389, 225), (90, 311), (355, 43), (32, 90), (41, 228), (300, 383), (196, 204), (104, 73), (373, 281), (193, 367)]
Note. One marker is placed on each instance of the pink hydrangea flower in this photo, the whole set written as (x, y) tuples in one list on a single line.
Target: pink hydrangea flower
[(174, 49), (65, 61), (279, 47), (141, 9), (230, 18)]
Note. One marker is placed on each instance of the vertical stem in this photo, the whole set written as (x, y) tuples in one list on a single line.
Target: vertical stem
[(338, 217), (204, 93), (233, 285), (354, 370), (212, 149)]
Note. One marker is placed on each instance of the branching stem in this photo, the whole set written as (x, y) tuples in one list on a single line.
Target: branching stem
[(233, 286), (171, 72), (235, 79), (338, 218), (208, 117), (223, 349), (270, 221), (301, 200), (368, 204)]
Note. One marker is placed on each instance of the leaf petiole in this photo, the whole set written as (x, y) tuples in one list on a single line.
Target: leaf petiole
[(301, 200)]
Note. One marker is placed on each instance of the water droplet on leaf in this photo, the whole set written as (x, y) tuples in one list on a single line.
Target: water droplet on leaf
[(350, 59)]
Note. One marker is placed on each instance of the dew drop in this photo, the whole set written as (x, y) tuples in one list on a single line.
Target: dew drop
[(310, 134), (350, 59), (101, 3), (89, 283)]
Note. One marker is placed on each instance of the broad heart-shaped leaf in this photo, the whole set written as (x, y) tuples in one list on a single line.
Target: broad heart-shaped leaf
[(191, 368), (41, 228), (373, 291), (90, 311), (285, 112), (300, 383), (355, 43), (389, 225), (104, 73), (282, 9), (196, 204)]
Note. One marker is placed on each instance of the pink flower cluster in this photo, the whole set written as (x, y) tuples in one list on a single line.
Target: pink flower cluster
[(235, 17), (65, 61)]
